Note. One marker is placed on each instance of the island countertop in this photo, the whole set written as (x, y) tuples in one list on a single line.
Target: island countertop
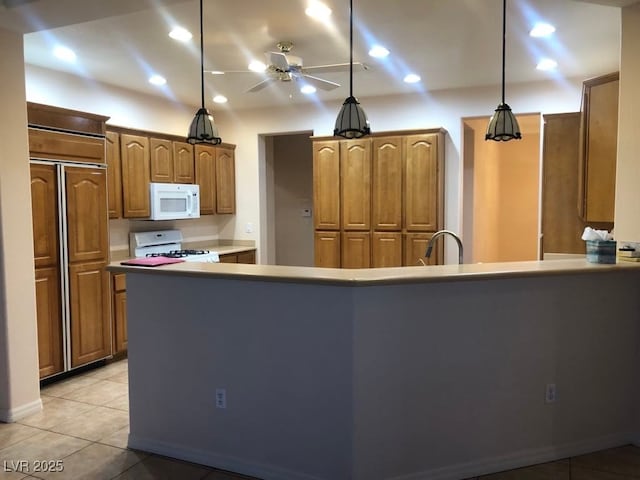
[(378, 276)]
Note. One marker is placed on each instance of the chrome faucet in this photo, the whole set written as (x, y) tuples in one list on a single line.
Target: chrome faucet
[(439, 234)]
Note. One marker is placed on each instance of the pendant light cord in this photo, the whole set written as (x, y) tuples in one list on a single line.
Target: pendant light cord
[(504, 35), (202, 57), (351, 48)]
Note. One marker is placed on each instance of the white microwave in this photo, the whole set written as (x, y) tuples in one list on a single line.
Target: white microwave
[(174, 201)]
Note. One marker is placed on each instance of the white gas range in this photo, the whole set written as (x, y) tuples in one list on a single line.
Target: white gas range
[(167, 243)]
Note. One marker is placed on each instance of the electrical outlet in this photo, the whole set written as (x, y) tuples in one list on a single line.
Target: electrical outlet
[(221, 398), (551, 393), (248, 228)]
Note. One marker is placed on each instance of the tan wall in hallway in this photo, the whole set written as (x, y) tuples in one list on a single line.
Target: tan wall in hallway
[(506, 189)]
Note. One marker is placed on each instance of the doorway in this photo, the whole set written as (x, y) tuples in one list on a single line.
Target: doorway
[(501, 192), (289, 192)]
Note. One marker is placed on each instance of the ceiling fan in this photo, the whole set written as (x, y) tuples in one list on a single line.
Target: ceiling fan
[(284, 67)]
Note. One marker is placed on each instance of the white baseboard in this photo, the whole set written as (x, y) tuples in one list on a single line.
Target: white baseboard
[(10, 415), (522, 458), (220, 461)]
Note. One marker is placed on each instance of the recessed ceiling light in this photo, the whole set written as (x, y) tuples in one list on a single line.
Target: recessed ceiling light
[(412, 78), (256, 66), (547, 64), (220, 99), (64, 53), (308, 89), (157, 80), (378, 51), (318, 10), (542, 29), (216, 72), (180, 34)]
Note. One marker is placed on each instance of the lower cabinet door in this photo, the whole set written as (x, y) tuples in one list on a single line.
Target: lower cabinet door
[(247, 257), (89, 296), (356, 250), (50, 353), (327, 249), (416, 247), (120, 321), (387, 249)]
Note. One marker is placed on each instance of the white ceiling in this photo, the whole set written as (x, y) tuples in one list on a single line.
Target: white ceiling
[(449, 43)]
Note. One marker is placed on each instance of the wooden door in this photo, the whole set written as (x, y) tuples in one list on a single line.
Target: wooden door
[(87, 218), (327, 249), (114, 175), (421, 182), (356, 250), (415, 247), (183, 162), (326, 185), (386, 187), (44, 210), (120, 321), (355, 184), (225, 180), (247, 257), (386, 249), (89, 307), (205, 166), (48, 311), (134, 155), (161, 160)]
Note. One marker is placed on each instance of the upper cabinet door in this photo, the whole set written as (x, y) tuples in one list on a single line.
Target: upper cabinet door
[(205, 163), (44, 208), (387, 183), (326, 185), (225, 180), (161, 160), (421, 182), (114, 175), (86, 196), (134, 155), (183, 162), (355, 184)]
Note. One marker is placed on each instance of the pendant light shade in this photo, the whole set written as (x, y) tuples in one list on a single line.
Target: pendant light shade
[(352, 121), (202, 129), (503, 125)]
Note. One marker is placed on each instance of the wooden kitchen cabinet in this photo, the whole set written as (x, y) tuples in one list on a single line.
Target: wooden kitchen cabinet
[(598, 148), (326, 185), (114, 174), (356, 250), (248, 257), (161, 160), (225, 179), (183, 163), (415, 246), (423, 183), (386, 249), (327, 249), (49, 321), (205, 172), (386, 193), (355, 184), (44, 207), (89, 309), (134, 156), (119, 309)]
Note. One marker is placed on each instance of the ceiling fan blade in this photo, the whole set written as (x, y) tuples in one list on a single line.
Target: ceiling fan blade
[(220, 72), (320, 82), (279, 60), (260, 85), (336, 67)]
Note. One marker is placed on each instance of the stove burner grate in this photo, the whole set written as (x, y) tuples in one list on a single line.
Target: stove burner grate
[(178, 253)]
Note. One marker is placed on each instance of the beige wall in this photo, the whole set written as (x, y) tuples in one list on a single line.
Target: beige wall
[(627, 216), (19, 387), (506, 192)]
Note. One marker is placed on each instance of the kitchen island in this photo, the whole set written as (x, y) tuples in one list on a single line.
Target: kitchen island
[(407, 373)]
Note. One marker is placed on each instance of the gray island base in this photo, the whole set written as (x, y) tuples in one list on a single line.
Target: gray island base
[(415, 373)]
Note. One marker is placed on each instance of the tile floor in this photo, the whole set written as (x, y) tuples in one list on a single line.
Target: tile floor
[(85, 422)]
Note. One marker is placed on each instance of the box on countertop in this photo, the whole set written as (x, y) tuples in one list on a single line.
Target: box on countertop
[(601, 251)]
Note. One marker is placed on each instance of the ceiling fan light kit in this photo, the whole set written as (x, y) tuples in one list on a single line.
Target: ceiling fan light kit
[(351, 122), (202, 129), (503, 125)]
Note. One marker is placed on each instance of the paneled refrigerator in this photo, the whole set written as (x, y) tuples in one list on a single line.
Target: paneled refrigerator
[(71, 250)]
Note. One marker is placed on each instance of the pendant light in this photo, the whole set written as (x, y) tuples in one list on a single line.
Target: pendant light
[(503, 125), (352, 121), (202, 129)]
